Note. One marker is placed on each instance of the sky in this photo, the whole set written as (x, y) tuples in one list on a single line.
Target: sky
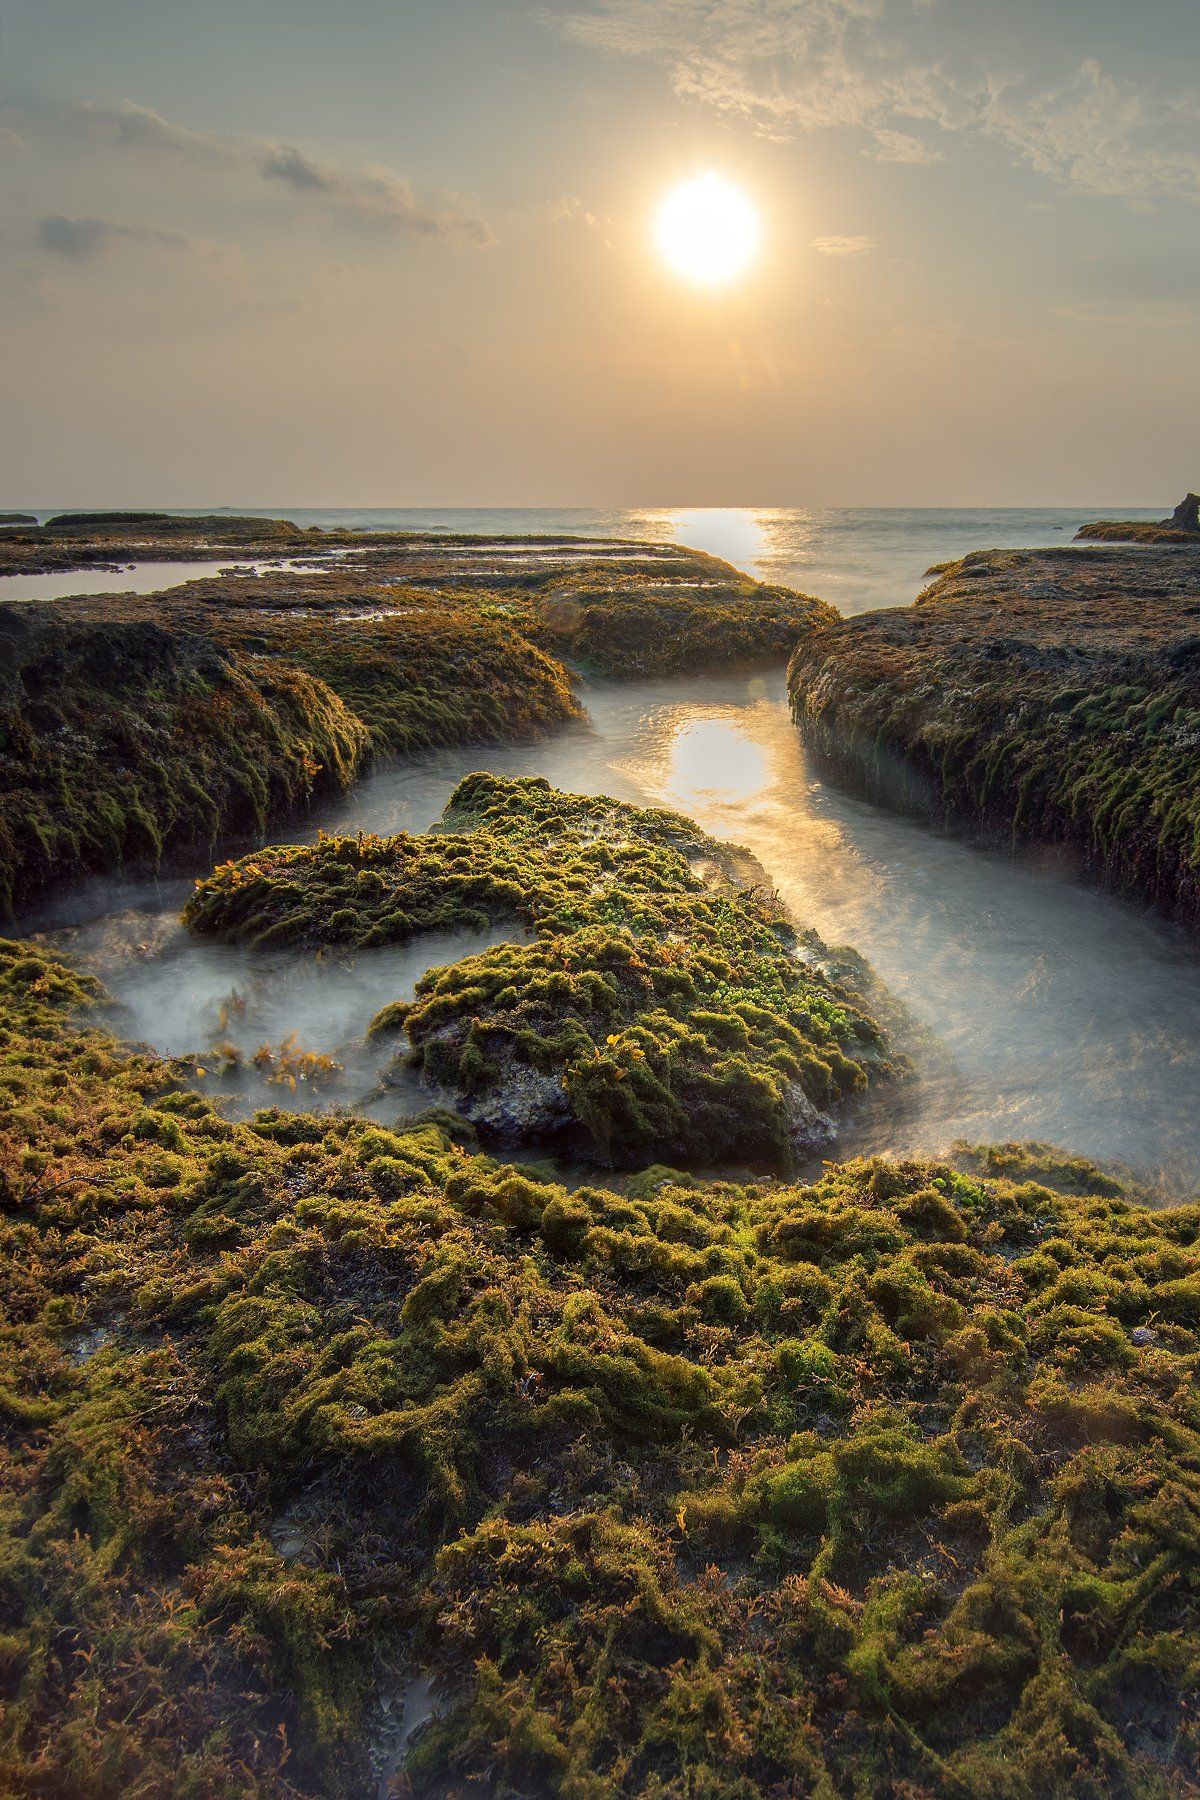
[(380, 253)]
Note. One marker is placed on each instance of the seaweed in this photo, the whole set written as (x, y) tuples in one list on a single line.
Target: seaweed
[(1035, 696), (882, 1483), (665, 1006)]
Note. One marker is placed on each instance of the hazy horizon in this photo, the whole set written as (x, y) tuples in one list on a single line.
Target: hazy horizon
[(408, 250)]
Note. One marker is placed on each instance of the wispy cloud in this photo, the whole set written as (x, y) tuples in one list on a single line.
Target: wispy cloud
[(789, 67), (566, 209), (371, 192), (1150, 314), (79, 240), (903, 147), (1102, 136), (843, 246)]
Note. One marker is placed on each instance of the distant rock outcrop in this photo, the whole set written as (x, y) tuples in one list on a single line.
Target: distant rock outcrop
[(1183, 527)]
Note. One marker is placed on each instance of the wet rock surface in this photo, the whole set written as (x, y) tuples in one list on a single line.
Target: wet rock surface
[(665, 1005), (1036, 696)]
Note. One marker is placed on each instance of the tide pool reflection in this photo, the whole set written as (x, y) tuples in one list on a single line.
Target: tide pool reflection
[(1068, 1015), (713, 759)]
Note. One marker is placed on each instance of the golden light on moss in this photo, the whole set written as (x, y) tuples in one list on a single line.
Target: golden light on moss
[(708, 230)]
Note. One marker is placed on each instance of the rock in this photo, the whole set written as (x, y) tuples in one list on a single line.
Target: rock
[(1186, 516), (1035, 696), (1142, 1335)]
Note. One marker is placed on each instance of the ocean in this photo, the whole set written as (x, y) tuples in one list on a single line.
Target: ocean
[(859, 558)]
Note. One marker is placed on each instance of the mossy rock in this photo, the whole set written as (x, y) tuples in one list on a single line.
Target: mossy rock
[(663, 1007), (886, 1483), (1045, 697)]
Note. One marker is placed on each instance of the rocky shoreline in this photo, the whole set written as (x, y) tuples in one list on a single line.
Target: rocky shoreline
[(1183, 527), (121, 748), (1035, 697), (335, 1451)]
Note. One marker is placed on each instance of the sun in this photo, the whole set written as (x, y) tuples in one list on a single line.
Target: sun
[(707, 230)]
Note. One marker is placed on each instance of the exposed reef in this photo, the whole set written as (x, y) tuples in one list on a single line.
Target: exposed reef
[(107, 539), (1183, 527), (666, 1007), (130, 735), (406, 645), (123, 743), (886, 1484), (1047, 697)]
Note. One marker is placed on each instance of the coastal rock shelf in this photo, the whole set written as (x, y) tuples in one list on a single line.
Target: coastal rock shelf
[(336, 1449), (666, 1008), (1183, 527), (882, 1484), (1047, 697), (139, 728)]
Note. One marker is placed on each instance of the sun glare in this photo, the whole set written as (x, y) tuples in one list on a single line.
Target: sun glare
[(708, 231)]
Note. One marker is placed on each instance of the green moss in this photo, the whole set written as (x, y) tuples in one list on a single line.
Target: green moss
[(627, 627), (882, 1484), (122, 745), (664, 1007), (1036, 696)]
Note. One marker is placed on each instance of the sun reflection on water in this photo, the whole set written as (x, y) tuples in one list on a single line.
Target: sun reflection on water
[(714, 760), (737, 534)]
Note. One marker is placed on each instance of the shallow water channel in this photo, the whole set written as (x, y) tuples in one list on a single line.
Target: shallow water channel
[(1059, 1012)]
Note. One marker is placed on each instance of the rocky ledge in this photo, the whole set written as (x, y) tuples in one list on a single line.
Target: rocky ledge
[(135, 729), (1183, 527), (1037, 696)]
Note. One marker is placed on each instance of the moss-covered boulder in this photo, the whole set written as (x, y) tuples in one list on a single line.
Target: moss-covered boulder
[(1183, 527), (665, 1007), (629, 625), (1050, 697)]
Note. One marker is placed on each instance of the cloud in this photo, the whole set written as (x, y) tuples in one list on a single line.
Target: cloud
[(843, 246), (902, 147), (567, 209), (1102, 136), (79, 240), (1142, 314), (786, 66), (139, 128), (790, 67), (371, 192)]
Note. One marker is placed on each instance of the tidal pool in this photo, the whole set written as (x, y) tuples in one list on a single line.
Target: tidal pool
[(1059, 1012), (268, 1027), (145, 577)]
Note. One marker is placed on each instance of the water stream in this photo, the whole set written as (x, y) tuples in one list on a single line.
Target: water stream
[(1062, 1013)]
